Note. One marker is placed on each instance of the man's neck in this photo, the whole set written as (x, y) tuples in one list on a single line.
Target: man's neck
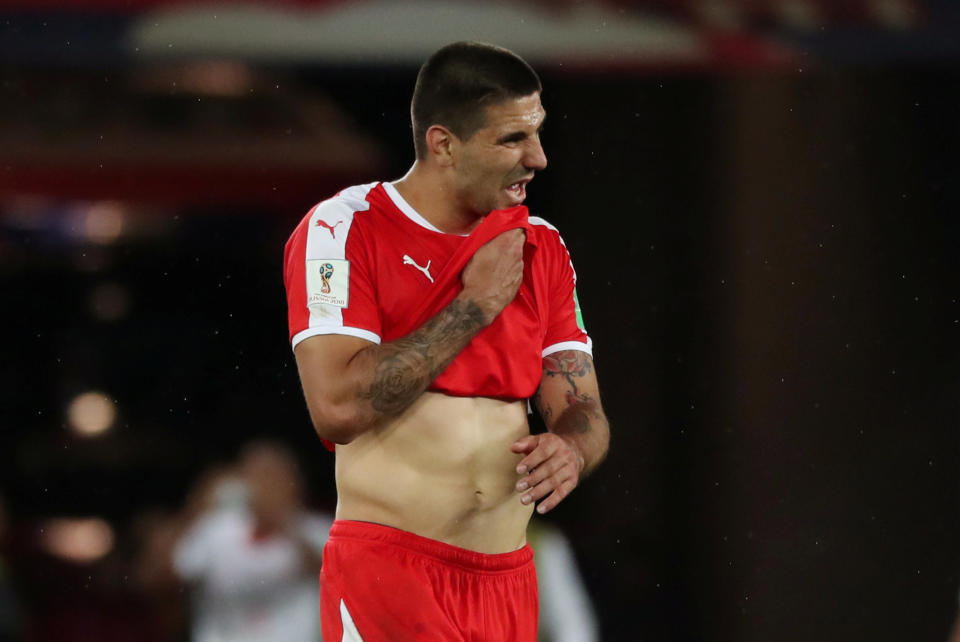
[(426, 192)]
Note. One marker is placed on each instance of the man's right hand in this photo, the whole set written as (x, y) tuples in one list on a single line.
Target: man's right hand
[(494, 273)]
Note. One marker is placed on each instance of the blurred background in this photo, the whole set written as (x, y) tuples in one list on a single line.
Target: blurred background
[(760, 197)]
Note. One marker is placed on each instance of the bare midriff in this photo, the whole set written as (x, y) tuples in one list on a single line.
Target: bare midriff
[(443, 470)]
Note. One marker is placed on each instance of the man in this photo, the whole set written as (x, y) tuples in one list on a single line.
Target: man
[(423, 313), (251, 552)]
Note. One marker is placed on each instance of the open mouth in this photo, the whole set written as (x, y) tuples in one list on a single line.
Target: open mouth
[(518, 190)]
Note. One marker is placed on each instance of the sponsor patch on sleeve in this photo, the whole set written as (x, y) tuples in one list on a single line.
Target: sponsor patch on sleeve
[(328, 282)]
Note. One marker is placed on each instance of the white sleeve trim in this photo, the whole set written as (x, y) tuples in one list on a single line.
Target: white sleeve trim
[(353, 332), (570, 345)]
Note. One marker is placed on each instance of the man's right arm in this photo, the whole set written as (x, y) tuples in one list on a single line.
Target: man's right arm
[(352, 385)]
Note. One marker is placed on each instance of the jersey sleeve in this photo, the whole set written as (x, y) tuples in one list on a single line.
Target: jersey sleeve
[(565, 328), (328, 276)]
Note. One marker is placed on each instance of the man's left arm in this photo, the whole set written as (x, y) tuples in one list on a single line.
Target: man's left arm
[(568, 399)]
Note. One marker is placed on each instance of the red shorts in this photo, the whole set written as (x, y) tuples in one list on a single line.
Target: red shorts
[(381, 584)]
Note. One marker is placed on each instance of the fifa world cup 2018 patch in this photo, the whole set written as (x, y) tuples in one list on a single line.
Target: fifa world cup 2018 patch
[(328, 282)]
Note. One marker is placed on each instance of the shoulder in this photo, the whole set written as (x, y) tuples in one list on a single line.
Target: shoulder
[(546, 230), (215, 531), (548, 235), (327, 224), (217, 524), (537, 221), (343, 205)]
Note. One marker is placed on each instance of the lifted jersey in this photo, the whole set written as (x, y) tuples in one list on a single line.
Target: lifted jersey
[(364, 263)]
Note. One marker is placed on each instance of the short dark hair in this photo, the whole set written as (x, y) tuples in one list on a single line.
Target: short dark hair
[(456, 84)]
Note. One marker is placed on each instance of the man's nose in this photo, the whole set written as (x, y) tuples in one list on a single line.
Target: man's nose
[(535, 158)]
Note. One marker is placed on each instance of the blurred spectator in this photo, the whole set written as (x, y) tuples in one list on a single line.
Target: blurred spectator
[(252, 553), (9, 608), (566, 614)]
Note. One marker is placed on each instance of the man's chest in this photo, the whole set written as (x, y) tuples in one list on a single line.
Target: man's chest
[(415, 276)]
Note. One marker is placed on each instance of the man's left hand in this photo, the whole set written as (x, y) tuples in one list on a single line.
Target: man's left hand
[(551, 469)]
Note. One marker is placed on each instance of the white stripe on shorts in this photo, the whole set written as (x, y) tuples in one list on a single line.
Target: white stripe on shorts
[(350, 633)]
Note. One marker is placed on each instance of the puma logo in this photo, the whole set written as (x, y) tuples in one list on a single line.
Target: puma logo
[(324, 224), (426, 270)]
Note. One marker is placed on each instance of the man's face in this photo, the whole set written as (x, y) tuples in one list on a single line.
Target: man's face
[(493, 167), (272, 487)]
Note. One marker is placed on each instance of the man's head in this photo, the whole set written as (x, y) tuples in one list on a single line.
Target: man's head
[(273, 483), (458, 82), (477, 117)]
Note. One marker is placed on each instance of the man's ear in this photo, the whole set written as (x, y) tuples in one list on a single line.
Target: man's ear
[(441, 144)]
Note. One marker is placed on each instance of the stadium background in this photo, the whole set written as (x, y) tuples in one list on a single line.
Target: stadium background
[(761, 201)]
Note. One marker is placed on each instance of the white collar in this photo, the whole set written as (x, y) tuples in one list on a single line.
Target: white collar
[(408, 210)]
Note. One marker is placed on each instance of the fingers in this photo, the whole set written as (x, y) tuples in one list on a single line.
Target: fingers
[(494, 273), (516, 244), (553, 471), (509, 244), (543, 448), (555, 488), (510, 238), (525, 445), (556, 497), (511, 241)]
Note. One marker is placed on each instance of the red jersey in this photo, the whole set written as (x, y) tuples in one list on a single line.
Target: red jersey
[(364, 263)]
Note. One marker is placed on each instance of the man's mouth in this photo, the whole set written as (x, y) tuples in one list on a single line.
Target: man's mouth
[(519, 189)]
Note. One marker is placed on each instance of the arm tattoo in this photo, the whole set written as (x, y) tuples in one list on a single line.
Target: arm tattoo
[(570, 405), (568, 364), (580, 408), (579, 420), (408, 365)]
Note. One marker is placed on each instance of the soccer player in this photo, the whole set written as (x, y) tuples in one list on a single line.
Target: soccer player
[(423, 314)]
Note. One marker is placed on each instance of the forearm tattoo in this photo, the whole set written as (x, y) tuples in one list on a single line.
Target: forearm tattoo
[(581, 408), (408, 365)]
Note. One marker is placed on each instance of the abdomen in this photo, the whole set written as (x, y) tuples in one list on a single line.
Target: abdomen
[(443, 470)]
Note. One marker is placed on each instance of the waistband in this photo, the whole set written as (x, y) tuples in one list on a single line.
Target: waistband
[(446, 553)]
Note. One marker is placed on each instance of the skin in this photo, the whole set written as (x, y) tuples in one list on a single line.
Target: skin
[(465, 471), (461, 181)]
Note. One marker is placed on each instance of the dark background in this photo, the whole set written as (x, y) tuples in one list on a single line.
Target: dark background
[(766, 264)]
